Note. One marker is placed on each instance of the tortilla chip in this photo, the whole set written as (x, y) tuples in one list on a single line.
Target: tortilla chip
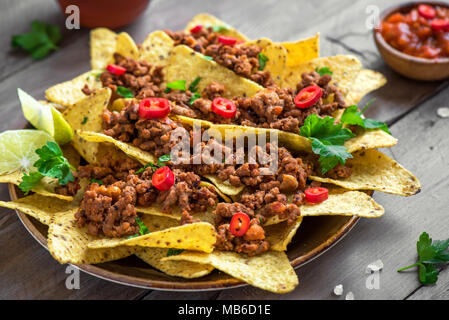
[(39, 207), (176, 213), (69, 92), (218, 191), (156, 48), (68, 244), (372, 170), (366, 82), (345, 70), (45, 187), (186, 64), (142, 156), (207, 20), (87, 115), (71, 155), (199, 236), (183, 269), (224, 186), (126, 46), (281, 234), (303, 50), (370, 139), (102, 47), (270, 271)]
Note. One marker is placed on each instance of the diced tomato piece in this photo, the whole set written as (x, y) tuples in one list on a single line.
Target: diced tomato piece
[(426, 11)]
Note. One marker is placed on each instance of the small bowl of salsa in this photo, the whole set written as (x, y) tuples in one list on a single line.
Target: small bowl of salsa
[(413, 39)]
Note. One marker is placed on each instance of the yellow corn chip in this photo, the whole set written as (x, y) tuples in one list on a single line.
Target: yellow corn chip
[(303, 50), (176, 213), (87, 115), (366, 81), (183, 269), (270, 271), (126, 46), (186, 64), (207, 20), (68, 244), (156, 48), (372, 170), (200, 236), (39, 207), (69, 92), (281, 234), (370, 139), (224, 186), (102, 47)]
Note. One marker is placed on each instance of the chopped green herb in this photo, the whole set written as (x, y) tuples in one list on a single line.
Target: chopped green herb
[(262, 60), (143, 230), (40, 41), (194, 97), (98, 74), (207, 58), (96, 181), (194, 85), (150, 164), (327, 140), (124, 92), (352, 116), (219, 28), (430, 254), (324, 70), (174, 252), (51, 164), (177, 85), (162, 159), (84, 120)]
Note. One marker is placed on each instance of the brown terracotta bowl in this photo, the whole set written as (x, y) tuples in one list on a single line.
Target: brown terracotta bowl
[(410, 66), (106, 13), (316, 235)]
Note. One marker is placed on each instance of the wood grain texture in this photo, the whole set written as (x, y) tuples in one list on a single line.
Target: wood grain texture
[(28, 271)]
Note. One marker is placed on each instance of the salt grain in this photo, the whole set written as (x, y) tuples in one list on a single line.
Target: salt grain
[(349, 296), (375, 266), (338, 290), (443, 112)]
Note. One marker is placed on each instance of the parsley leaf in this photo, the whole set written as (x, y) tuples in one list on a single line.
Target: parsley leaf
[(51, 164), (143, 230), (177, 85), (124, 92), (430, 254), (29, 181), (327, 140), (174, 252), (96, 181), (194, 97), (40, 41), (262, 61), (323, 71), (194, 85), (352, 116)]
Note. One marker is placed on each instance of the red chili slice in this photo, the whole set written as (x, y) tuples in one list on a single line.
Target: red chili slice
[(115, 69), (426, 11), (196, 28), (163, 179), (227, 40), (239, 224), (316, 195), (224, 107), (154, 108), (308, 96), (440, 24)]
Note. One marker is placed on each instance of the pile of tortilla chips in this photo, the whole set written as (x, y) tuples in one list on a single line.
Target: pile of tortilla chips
[(159, 248)]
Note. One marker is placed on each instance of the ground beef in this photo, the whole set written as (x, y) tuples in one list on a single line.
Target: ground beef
[(70, 189), (152, 135), (242, 59), (143, 79), (338, 172)]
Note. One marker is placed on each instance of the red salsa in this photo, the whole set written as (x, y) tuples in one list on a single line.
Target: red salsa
[(421, 32)]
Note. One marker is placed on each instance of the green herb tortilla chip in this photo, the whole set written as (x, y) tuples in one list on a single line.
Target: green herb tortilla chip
[(373, 170), (270, 271), (126, 46)]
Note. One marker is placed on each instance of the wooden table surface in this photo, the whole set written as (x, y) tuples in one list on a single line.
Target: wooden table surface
[(27, 271)]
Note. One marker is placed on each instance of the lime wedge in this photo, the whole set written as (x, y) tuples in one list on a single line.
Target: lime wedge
[(19, 149), (46, 117)]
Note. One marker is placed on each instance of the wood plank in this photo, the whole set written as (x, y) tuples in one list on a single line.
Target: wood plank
[(423, 148)]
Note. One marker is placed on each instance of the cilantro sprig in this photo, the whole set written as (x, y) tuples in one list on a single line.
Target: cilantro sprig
[(124, 92), (176, 85), (40, 41), (352, 116), (323, 71), (51, 163), (431, 254), (219, 28), (160, 163), (143, 230), (262, 60), (327, 140)]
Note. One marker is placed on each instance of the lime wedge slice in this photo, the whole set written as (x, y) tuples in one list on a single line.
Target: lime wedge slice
[(46, 117), (19, 149)]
